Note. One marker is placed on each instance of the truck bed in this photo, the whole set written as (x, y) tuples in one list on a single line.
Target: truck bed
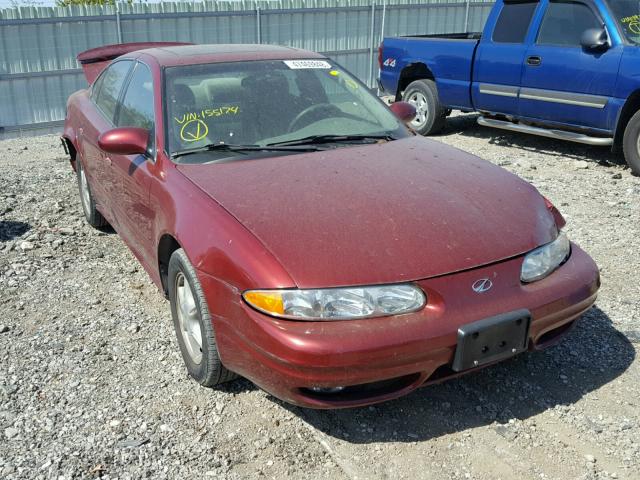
[(449, 58), (449, 36)]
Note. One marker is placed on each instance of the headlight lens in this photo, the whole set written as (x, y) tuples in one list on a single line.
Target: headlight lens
[(544, 260), (337, 303)]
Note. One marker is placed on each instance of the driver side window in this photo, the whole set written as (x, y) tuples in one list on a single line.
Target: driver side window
[(565, 22)]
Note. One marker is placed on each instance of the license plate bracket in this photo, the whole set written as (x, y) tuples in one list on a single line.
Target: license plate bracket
[(492, 339)]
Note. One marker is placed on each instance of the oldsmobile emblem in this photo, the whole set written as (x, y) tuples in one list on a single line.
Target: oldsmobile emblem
[(482, 285)]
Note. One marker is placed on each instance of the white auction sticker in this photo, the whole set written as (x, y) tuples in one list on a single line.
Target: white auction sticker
[(300, 64)]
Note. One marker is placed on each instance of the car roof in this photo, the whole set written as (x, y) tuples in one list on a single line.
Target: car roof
[(196, 54)]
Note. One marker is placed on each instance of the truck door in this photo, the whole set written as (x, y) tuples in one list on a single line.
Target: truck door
[(561, 81), (499, 58)]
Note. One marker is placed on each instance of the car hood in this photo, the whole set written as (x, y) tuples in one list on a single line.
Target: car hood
[(384, 213)]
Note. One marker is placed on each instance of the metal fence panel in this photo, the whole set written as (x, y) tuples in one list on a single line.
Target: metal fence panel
[(38, 45)]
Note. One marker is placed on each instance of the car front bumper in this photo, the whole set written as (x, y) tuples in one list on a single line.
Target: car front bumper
[(384, 358)]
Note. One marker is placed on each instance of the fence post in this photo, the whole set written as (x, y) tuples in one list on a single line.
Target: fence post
[(258, 25), (118, 25), (384, 18), (466, 17), (371, 40)]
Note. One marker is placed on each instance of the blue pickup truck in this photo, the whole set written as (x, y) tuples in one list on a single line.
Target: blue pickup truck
[(567, 69)]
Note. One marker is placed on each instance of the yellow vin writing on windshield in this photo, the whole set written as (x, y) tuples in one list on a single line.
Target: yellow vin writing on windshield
[(632, 23), (207, 113)]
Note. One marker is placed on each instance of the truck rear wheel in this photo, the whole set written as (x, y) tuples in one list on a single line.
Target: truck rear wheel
[(430, 114), (631, 143)]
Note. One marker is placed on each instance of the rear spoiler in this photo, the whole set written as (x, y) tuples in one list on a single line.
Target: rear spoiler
[(95, 60)]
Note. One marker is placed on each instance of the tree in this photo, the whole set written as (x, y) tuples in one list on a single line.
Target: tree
[(66, 3)]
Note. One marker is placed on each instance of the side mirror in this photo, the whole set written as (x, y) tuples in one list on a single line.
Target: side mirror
[(404, 111), (594, 39), (125, 141)]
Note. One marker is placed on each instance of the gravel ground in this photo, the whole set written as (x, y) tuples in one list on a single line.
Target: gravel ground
[(92, 384)]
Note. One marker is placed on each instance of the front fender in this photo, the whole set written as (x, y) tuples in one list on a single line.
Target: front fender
[(214, 241)]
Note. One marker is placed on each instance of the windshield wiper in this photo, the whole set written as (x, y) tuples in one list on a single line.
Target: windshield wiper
[(320, 139), (227, 147)]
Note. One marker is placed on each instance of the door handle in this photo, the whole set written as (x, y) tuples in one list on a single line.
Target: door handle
[(534, 61)]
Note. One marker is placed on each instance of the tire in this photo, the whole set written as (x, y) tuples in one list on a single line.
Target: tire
[(200, 357), (93, 216), (431, 115), (631, 143)]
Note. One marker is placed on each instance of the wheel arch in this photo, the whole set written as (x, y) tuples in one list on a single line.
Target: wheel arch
[(412, 72), (70, 149), (166, 246), (630, 107)]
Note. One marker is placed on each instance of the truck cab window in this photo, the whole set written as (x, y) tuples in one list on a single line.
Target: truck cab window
[(513, 23), (627, 13), (565, 22)]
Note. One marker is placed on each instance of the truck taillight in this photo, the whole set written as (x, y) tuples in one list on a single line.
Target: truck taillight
[(380, 55)]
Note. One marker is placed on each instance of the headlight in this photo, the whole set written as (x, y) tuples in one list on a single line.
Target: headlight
[(544, 260), (337, 303)]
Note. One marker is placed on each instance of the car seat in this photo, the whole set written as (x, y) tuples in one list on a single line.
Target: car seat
[(269, 104)]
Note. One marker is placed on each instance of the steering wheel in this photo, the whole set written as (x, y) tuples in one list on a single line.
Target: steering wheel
[(319, 109)]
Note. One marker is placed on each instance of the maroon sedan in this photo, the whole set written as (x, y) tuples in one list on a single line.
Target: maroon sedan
[(305, 237)]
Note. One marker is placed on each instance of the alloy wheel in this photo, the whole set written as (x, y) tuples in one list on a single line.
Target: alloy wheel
[(419, 101), (85, 195), (188, 318)]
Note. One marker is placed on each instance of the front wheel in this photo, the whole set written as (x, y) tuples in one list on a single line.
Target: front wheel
[(430, 114), (631, 143), (192, 323)]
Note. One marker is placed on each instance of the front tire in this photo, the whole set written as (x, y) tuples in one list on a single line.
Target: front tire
[(91, 213), (192, 323), (431, 116), (631, 144)]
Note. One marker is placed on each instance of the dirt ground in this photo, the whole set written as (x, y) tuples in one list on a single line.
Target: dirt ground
[(92, 383)]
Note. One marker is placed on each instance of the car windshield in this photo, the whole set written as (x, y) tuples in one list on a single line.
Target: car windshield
[(627, 13), (260, 103)]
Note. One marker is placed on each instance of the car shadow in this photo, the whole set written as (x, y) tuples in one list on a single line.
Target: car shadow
[(106, 230), (10, 229), (592, 355), (466, 125)]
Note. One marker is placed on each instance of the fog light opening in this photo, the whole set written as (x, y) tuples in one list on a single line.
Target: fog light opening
[(326, 390)]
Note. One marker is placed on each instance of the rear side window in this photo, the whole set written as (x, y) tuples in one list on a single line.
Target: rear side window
[(565, 22), (513, 23), (96, 88), (114, 77), (137, 104)]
